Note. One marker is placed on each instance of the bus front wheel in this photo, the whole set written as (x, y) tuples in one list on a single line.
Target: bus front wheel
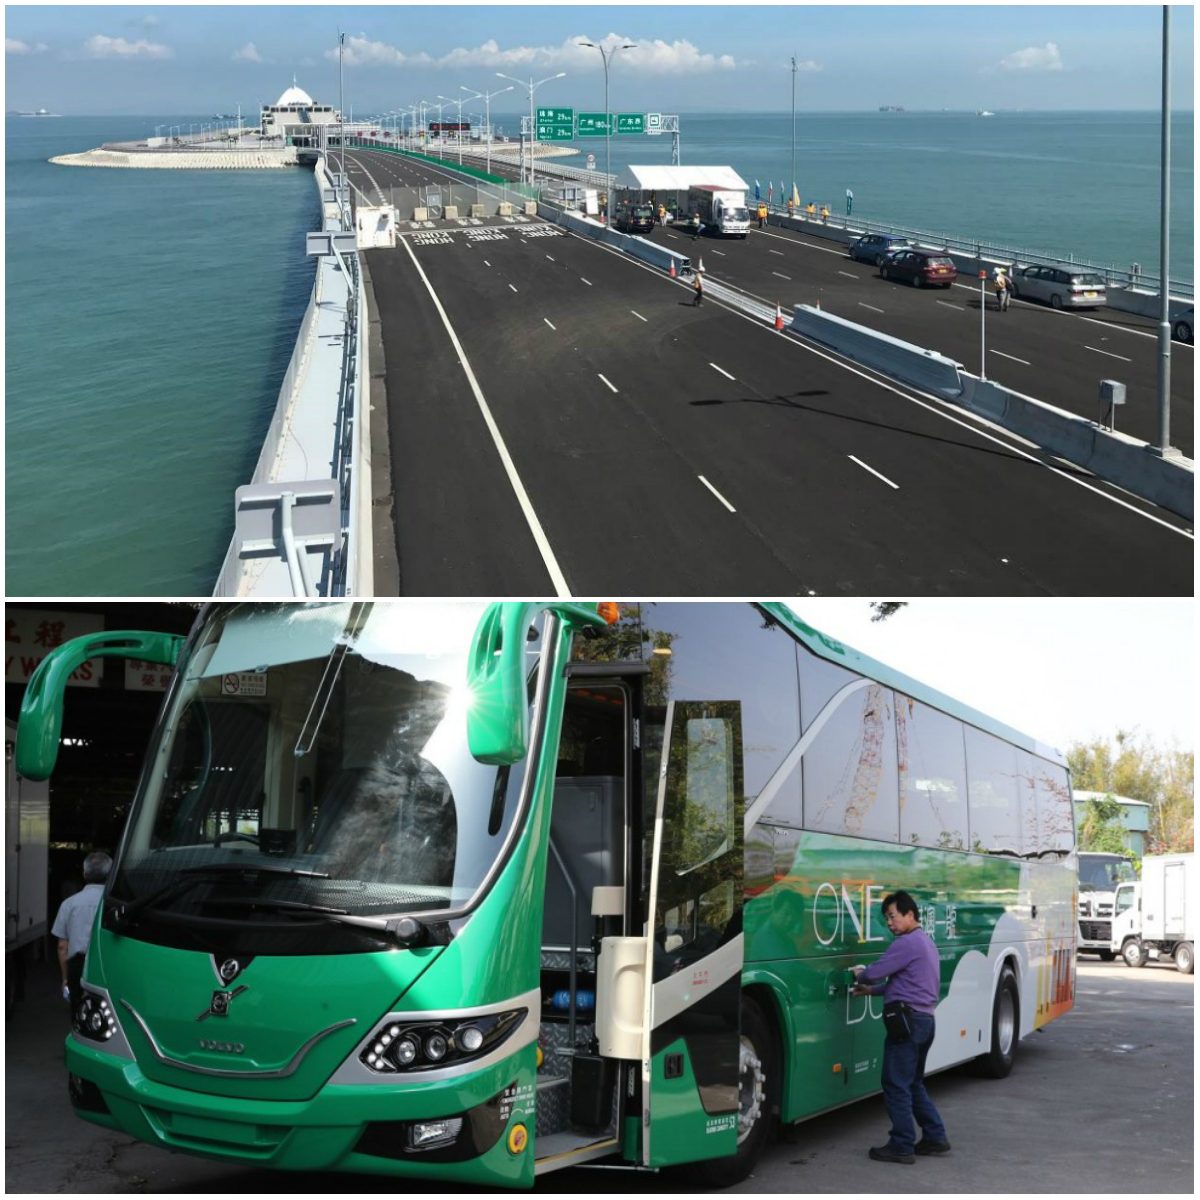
[(1006, 1029), (758, 1101)]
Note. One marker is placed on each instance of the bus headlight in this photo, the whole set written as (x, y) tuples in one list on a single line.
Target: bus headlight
[(93, 1019), (429, 1043)]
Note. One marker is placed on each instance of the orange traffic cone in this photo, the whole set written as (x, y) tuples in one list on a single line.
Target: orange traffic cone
[(673, 272), (778, 318)]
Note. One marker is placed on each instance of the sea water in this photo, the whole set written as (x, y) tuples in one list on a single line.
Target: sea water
[(150, 314)]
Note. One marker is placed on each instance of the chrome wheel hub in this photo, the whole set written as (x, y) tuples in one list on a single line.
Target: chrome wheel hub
[(752, 1088)]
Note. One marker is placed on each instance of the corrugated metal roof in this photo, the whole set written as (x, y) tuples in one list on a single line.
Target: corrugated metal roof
[(677, 179)]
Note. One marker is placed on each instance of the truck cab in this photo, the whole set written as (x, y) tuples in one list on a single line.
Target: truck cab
[(1099, 875)]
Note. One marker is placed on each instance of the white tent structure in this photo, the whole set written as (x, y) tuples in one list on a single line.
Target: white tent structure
[(664, 179)]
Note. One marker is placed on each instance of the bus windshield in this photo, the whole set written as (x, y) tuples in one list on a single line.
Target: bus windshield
[(1103, 874), (323, 750)]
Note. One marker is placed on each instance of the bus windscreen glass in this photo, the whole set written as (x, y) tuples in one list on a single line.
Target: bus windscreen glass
[(323, 749)]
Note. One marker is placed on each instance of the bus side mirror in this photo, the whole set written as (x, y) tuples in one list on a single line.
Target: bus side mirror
[(498, 716), (40, 724)]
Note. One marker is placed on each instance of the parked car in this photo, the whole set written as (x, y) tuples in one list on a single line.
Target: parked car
[(1181, 326), (920, 267), (875, 247), (1060, 288)]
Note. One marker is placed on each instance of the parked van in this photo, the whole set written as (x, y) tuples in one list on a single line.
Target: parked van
[(1060, 288)]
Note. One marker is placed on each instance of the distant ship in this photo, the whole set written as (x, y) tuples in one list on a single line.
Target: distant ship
[(41, 112), (983, 112), (891, 108)]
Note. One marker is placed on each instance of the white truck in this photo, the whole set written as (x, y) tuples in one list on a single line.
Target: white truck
[(26, 866), (722, 210), (1157, 917), (1099, 876)]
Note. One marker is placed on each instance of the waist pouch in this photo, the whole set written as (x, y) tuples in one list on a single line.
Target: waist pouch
[(897, 1020)]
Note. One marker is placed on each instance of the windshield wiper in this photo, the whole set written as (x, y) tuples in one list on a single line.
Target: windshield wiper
[(189, 877), (405, 931)]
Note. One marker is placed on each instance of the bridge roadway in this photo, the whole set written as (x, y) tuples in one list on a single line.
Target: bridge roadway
[(562, 418), (1058, 357)]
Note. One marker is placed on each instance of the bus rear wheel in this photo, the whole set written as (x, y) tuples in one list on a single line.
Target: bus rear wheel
[(1006, 1029), (758, 1101)]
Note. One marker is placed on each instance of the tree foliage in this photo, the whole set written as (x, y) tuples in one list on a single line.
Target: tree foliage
[(1101, 828), (1133, 765)]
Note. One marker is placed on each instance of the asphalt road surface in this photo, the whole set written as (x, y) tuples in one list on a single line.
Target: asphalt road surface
[(562, 418), (1101, 1101)]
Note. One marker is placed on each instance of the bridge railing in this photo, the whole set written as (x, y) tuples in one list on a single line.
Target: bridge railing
[(980, 248)]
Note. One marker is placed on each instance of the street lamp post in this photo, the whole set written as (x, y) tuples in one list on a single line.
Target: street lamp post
[(486, 97), (458, 130), (532, 88), (793, 178), (604, 54), (441, 131)]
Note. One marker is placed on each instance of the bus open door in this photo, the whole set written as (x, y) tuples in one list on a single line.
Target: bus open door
[(695, 951)]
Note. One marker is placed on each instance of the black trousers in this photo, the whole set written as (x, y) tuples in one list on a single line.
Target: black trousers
[(75, 979)]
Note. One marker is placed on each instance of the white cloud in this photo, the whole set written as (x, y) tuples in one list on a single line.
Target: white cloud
[(654, 57), (248, 53), (1034, 58), (100, 46), (14, 46)]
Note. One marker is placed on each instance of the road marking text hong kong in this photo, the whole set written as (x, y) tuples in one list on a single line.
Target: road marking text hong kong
[(447, 237)]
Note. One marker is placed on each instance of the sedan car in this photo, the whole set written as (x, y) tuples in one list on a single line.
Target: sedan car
[(1181, 325), (1060, 288), (920, 267), (875, 247)]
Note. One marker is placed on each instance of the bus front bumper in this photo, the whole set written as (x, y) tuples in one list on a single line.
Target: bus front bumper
[(475, 1129)]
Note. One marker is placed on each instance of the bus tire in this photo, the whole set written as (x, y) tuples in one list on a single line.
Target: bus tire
[(1185, 958), (1006, 1029), (758, 1102), (1134, 953)]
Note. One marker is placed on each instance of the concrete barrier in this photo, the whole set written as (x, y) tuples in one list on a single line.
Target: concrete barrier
[(902, 360), (1130, 464)]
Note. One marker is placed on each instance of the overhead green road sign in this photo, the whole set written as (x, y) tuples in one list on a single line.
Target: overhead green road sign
[(595, 124), (554, 125), (631, 123)]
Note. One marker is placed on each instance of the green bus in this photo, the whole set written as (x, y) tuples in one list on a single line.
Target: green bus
[(476, 891)]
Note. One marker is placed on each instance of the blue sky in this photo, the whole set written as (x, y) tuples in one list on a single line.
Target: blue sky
[(693, 57)]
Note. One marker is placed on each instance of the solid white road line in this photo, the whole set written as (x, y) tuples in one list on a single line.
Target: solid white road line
[(550, 257), (608, 385), (531, 518), (720, 252), (721, 370), (638, 315), (947, 304), (1097, 350), (849, 275), (551, 324), (587, 281), (779, 252), (716, 493), (872, 307), (787, 277), (1022, 361), (874, 472)]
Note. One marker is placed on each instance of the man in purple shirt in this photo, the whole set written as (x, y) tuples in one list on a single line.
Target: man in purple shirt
[(913, 974)]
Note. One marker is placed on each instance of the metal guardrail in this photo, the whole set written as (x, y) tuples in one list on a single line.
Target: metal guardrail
[(996, 252)]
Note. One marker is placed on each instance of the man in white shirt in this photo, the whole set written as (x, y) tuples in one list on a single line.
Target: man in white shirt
[(73, 925)]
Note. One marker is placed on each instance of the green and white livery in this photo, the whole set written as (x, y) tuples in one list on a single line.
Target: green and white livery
[(474, 892)]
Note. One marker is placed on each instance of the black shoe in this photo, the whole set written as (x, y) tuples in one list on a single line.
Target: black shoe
[(887, 1154), (925, 1146)]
